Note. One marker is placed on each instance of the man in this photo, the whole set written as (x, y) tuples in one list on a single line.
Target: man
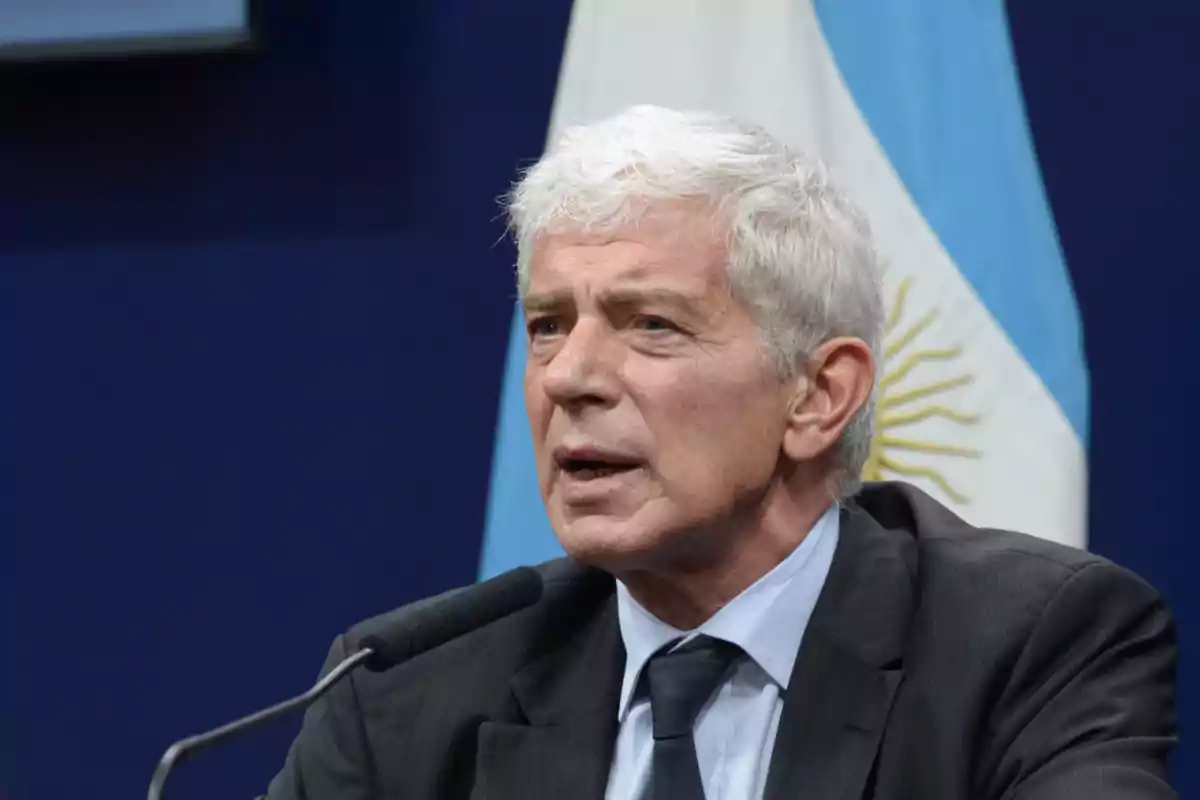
[(737, 617)]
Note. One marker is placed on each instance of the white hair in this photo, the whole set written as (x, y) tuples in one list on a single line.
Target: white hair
[(799, 252)]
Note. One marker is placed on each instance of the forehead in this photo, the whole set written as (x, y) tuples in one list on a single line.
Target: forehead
[(682, 250)]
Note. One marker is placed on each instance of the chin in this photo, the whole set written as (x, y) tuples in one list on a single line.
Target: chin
[(609, 544)]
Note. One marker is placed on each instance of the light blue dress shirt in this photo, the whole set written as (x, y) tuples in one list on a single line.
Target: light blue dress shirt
[(735, 733)]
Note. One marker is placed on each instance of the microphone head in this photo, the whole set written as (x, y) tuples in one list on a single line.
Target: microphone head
[(459, 613)]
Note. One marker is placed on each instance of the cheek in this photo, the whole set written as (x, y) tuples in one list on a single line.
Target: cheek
[(717, 434), (538, 410), (537, 405)]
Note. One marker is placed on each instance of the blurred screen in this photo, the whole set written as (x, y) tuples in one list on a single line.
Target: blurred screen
[(42, 28)]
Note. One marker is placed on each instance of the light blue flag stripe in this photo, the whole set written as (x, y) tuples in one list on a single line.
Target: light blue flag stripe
[(937, 84), (516, 530)]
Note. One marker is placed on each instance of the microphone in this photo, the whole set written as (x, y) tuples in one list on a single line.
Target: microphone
[(427, 626)]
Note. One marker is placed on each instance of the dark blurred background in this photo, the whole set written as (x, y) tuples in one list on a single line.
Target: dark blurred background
[(256, 305)]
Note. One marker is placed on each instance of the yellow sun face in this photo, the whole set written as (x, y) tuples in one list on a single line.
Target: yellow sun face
[(901, 403)]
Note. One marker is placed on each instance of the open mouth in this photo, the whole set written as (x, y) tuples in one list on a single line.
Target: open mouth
[(587, 469)]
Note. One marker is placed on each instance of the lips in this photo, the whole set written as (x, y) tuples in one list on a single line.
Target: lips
[(587, 463)]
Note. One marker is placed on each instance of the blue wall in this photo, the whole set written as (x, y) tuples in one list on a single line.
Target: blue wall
[(258, 308), (1114, 103)]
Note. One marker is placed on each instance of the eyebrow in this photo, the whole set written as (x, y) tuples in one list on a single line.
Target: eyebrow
[(547, 301), (550, 301)]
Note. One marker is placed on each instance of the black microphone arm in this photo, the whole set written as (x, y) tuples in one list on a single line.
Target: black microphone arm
[(202, 741), (428, 625)]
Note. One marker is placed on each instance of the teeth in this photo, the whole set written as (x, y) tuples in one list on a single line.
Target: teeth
[(593, 471)]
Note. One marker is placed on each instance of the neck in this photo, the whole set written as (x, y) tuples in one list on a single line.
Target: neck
[(686, 593)]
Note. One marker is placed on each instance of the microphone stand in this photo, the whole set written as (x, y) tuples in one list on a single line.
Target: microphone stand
[(202, 741), (439, 620)]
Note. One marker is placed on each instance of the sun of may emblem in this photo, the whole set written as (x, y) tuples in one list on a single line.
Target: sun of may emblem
[(901, 403)]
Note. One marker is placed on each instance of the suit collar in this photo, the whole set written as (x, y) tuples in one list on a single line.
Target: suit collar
[(845, 677), (865, 606), (849, 666), (568, 694)]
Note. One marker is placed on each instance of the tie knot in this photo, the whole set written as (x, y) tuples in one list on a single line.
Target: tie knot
[(682, 680)]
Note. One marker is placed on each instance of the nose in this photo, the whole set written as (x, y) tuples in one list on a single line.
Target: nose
[(581, 373)]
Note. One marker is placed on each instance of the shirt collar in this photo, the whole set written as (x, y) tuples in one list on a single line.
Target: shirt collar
[(767, 620)]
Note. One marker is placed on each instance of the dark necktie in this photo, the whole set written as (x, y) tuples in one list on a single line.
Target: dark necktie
[(681, 682)]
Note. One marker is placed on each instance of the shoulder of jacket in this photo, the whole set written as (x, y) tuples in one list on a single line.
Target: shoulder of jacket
[(938, 531)]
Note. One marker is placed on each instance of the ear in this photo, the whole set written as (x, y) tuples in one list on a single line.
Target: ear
[(835, 383)]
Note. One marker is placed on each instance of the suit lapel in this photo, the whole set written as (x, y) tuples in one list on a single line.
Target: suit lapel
[(848, 668), (569, 697)]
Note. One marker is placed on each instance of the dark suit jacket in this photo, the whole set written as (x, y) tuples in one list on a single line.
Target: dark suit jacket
[(942, 661)]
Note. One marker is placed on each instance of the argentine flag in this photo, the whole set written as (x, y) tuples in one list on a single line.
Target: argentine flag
[(916, 108)]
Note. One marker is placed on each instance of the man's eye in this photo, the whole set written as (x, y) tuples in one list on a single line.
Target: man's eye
[(542, 326), (649, 322)]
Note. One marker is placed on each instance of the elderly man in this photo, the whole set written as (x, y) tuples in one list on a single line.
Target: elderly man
[(737, 617)]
